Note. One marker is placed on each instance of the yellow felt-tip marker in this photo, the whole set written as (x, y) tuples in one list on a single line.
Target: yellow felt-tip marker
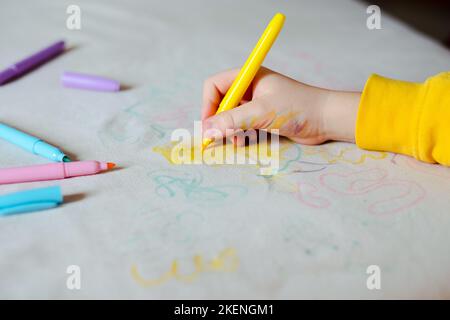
[(250, 68)]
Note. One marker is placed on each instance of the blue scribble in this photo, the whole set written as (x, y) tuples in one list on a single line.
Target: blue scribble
[(171, 183)]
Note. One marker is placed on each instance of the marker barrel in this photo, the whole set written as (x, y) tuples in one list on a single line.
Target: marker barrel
[(40, 57), (251, 66), (52, 171), (27, 64), (30, 143)]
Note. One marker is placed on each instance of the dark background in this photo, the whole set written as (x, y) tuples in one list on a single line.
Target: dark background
[(431, 17)]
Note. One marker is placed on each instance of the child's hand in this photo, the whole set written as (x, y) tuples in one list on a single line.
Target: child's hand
[(303, 113)]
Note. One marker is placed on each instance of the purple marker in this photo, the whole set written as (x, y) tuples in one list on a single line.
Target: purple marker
[(85, 81), (20, 68)]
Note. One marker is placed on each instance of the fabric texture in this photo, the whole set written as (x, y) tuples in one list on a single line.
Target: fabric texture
[(405, 117)]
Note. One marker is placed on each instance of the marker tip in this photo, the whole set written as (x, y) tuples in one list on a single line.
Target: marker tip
[(111, 165), (206, 142)]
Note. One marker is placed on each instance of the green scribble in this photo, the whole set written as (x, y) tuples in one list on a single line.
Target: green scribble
[(290, 161), (193, 188)]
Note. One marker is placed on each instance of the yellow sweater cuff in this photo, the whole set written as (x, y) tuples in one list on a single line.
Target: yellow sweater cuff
[(405, 117)]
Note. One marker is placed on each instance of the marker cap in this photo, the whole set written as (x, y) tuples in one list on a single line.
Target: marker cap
[(90, 82), (30, 200)]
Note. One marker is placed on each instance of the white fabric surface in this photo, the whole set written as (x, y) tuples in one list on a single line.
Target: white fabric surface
[(298, 235)]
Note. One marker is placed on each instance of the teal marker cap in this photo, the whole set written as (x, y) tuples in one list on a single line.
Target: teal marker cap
[(30, 200)]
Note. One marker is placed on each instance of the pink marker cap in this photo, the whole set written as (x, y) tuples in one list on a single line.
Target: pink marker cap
[(90, 82)]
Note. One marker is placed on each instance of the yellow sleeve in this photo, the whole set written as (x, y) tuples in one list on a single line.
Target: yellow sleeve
[(405, 117)]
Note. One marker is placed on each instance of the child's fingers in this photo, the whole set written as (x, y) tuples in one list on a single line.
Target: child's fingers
[(238, 118), (242, 136), (214, 88)]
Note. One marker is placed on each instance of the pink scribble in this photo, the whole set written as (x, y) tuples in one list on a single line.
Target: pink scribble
[(307, 195), (304, 55), (358, 182), (411, 195), (319, 69), (405, 194), (436, 170), (178, 116)]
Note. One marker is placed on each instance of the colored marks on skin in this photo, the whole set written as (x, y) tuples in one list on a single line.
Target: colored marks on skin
[(190, 185), (351, 155), (225, 262), (282, 120), (393, 195), (287, 123)]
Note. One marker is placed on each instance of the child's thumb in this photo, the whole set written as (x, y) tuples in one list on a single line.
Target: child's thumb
[(238, 118)]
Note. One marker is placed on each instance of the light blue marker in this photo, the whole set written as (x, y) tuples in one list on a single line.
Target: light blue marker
[(30, 200), (32, 144)]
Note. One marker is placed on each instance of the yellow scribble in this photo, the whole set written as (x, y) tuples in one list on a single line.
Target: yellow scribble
[(217, 154), (172, 149), (342, 155), (226, 261), (280, 182)]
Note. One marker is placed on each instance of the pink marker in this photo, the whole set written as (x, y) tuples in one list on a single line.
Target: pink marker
[(53, 171)]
